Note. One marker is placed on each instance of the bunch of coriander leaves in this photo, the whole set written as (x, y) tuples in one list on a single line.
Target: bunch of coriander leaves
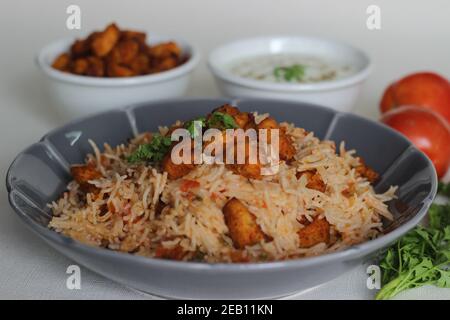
[(421, 257)]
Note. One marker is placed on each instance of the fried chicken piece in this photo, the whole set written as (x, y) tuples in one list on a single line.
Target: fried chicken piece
[(82, 174), (96, 67), (175, 253), (228, 109), (242, 226), (81, 48), (127, 50), (80, 66), (175, 171), (164, 50), (367, 172), (163, 56), (248, 170), (140, 64), (163, 64), (62, 62), (241, 118), (104, 41), (314, 180), (116, 70), (251, 168), (251, 124), (268, 123), (316, 232), (133, 35), (286, 148), (113, 57)]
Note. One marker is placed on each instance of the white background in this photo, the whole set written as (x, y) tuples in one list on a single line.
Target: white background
[(414, 35)]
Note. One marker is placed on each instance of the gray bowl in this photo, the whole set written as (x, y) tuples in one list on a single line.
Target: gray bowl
[(40, 174)]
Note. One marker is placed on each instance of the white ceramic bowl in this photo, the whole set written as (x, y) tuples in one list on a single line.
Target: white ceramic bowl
[(75, 95), (338, 94)]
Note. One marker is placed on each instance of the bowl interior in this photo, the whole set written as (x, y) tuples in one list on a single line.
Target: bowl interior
[(40, 173)]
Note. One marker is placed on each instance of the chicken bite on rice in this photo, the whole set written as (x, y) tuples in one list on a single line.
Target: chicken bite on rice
[(242, 226)]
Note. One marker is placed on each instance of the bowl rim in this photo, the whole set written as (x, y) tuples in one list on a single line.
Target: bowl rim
[(54, 47), (351, 80), (352, 252)]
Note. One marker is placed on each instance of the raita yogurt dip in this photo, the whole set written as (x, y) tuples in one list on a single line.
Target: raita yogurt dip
[(290, 68)]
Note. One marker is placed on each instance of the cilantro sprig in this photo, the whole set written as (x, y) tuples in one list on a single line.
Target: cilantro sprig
[(295, 72), (419, 258), (194, 130), (444, 188), (151, 152), (220, 120)]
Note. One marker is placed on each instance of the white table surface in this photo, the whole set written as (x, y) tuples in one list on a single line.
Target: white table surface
[(29, 269)]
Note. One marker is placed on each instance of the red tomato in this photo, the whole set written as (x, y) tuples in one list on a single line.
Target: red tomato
[(426, 129), (423, 89)]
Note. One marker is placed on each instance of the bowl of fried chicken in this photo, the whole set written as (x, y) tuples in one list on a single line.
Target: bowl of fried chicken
[(115, 67)]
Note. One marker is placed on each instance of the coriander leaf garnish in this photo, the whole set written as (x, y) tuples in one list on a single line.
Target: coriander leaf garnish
[(295, 72), (221, 120), (151, 152), (444, 188), (192, 128), (419, 258), (439, 215)]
